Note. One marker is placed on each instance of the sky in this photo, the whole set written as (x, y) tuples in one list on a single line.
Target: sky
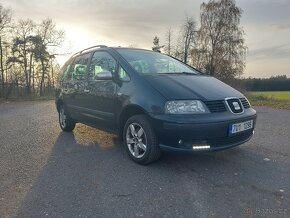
[(135, 23)]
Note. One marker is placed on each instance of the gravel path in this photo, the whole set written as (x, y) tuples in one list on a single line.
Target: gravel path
[(48, 173)]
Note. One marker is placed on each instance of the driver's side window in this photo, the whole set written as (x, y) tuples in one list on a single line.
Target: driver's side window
[(101, 62)]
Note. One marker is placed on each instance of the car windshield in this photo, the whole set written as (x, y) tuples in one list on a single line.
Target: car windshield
[(149, 62)]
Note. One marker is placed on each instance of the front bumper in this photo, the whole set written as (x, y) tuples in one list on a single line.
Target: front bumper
[(182, 132)]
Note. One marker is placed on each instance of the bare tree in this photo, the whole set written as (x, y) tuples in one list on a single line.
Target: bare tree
[(185, 40), (221, 39), (198, 52), (188, 31), (5, 21), (168, 46), (50, 37)]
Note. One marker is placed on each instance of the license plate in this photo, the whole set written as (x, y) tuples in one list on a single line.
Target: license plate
[(240, 127)]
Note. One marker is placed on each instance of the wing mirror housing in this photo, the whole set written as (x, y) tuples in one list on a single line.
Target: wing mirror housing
[(104, 75)]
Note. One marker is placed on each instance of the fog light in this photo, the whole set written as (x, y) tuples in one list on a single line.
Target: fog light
[(200, 147)]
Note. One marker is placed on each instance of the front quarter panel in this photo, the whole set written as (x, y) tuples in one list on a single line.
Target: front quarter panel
[(139, 93)]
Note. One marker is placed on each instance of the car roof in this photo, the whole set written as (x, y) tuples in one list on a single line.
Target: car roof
[(97, 47)]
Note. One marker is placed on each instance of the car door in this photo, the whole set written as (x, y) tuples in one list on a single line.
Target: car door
[(101, 93), (75, 86)]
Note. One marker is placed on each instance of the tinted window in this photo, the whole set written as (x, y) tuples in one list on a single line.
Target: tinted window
[(101, 61), (64, 71), (79, 67), (123, 75), (153, 62)]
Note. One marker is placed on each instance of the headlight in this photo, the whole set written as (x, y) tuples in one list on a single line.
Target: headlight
[(185, 107)]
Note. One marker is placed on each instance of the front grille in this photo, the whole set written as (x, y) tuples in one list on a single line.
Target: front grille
[(216, 106), (245, 103)]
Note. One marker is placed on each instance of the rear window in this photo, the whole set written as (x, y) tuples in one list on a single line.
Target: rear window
[(64, 71)]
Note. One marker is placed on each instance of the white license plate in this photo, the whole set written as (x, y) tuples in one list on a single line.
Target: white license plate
[(240, 127)]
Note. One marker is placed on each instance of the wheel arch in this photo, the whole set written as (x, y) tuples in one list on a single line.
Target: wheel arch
[(126, 113), (58, 104)]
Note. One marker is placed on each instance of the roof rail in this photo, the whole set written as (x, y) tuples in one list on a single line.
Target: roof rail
[(96, 46)]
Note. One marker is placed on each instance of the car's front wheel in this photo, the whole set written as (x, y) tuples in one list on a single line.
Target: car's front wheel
[(140, 140), (66, 123)]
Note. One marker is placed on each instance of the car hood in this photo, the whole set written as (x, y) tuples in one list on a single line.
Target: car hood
[(183, 87)]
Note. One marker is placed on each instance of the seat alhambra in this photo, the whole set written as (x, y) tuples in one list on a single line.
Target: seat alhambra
[(152, 101)]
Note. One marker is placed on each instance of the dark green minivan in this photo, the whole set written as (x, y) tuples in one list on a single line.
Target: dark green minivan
[(152, 101)]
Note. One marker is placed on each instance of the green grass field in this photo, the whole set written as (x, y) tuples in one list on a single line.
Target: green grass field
[(278, 99), (272, 95)]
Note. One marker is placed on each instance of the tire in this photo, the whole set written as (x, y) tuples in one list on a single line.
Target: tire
[(140, 140), (66, 123)]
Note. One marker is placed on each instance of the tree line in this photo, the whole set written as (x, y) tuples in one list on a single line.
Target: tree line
[(214, 45), (27, 55), (275, 83)]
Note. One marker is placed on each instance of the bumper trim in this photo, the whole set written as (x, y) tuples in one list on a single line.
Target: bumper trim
[(212, 148)]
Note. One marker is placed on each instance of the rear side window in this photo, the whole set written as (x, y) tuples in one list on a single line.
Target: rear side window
[(64, 71), (101, 61), (79, 68)]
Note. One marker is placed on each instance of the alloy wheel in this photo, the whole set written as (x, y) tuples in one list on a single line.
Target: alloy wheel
[(136, 140)]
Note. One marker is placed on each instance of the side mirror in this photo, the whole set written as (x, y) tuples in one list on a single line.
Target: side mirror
[(104, 75)]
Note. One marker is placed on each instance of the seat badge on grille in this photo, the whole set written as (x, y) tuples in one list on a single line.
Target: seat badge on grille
[(236, 106)]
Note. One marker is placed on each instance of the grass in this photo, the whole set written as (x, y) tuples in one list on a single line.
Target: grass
[(273, 95), (276, 99)]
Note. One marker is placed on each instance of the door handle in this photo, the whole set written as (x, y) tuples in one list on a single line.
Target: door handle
[(86, 91)]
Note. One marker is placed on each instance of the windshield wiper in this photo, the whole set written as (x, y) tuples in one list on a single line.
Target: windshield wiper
[(188, 73), (180, 73)]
